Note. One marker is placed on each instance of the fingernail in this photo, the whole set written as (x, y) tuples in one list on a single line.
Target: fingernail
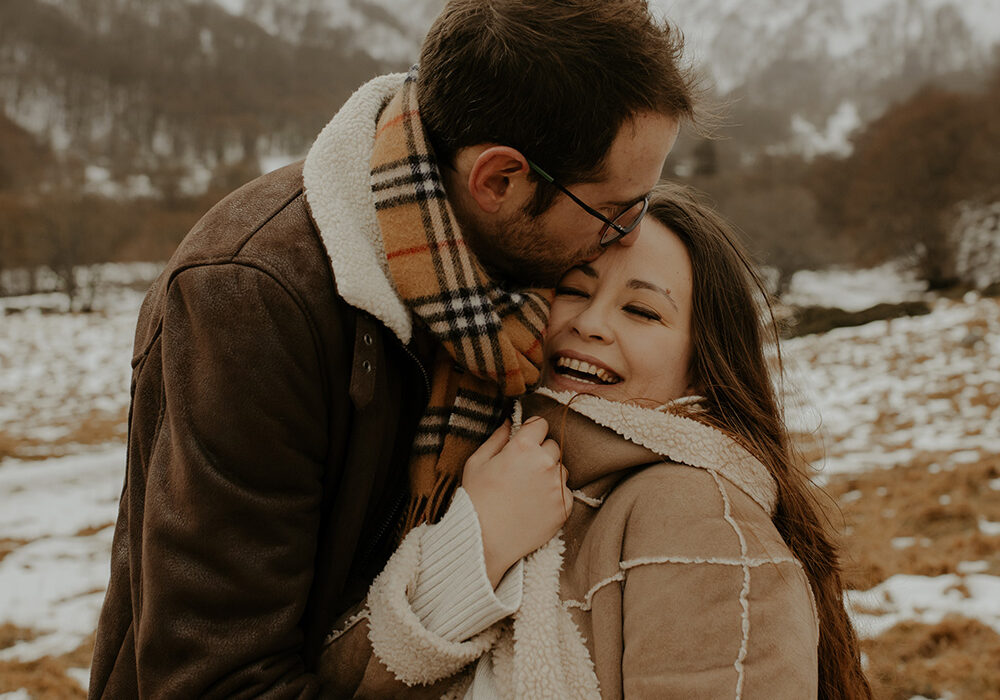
[(531, 420)]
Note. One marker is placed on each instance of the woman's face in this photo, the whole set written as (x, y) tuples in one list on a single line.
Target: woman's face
[(620, 326)]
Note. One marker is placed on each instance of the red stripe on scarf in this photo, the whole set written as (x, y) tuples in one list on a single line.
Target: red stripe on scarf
[(424, 248), (396, 120)]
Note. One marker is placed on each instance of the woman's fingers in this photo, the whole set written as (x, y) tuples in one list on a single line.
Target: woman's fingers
[(533, 431), (491, 448), (551, 447)]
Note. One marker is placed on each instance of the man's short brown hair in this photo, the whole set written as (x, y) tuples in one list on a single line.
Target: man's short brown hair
[(555, 79)]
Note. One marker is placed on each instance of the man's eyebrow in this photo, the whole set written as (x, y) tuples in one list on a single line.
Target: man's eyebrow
[(643, 284)]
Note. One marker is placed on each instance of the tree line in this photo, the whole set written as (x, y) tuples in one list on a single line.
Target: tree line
[(896, 196)]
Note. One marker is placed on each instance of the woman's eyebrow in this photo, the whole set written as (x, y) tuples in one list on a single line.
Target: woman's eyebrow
[(643, 284), (586, 269)]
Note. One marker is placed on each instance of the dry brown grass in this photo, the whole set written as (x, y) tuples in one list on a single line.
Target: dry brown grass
[(956, 658), (94, 428), (46, 678), (12, 634), (99, 427), (92, 529), (8, 545), (940, 509)]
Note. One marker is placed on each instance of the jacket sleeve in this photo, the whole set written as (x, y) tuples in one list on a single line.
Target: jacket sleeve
[(713, 605), (233, 492), (429, 614)]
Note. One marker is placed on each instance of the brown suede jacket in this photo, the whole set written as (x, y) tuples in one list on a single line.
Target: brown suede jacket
[(268, 435)]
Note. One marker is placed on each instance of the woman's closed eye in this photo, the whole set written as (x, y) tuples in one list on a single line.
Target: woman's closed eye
[(562, 291), (643, 312)]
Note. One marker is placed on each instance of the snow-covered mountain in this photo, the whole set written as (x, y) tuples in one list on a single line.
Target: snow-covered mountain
[(192, 86), (830, 65), (389, 30)]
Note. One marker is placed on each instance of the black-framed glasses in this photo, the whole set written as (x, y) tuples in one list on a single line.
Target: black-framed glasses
[(621, 225)]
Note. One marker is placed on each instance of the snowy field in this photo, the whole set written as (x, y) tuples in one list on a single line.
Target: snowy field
[(889, 394)]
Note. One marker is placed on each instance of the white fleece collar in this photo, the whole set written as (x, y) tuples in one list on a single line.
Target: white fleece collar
[(338, 190), (679, 439)]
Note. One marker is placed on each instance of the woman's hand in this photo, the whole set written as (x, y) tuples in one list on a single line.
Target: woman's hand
[(518, 487)]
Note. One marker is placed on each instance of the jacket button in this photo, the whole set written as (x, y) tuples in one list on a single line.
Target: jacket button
[(367, 365), (367, 338)]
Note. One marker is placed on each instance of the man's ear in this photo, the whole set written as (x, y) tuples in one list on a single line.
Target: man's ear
[(499, 176)]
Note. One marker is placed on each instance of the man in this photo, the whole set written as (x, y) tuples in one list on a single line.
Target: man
[(330, 343)]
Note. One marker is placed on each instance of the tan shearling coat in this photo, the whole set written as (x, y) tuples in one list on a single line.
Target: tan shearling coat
[(669, 579)]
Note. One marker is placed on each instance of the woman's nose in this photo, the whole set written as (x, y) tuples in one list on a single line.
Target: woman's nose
[(592, 323)]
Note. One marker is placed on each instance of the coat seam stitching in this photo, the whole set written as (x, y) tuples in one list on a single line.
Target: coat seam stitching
[(744, 591)]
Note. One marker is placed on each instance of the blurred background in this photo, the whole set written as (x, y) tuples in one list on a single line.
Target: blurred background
[(859, 154)]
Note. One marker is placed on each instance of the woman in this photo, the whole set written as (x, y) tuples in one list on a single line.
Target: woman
[(694, 562)]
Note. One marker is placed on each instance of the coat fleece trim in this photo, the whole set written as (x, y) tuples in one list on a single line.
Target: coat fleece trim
[(678, 438), (399, 639), (338, 191)]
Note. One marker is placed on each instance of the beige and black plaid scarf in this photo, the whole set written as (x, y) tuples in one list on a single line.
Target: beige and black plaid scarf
[(489, 339)]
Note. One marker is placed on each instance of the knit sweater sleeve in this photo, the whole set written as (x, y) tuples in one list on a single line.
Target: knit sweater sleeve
[(452, 595), (429, 613)]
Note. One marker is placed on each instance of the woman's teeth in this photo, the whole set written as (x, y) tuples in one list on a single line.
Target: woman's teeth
[(585, 372)]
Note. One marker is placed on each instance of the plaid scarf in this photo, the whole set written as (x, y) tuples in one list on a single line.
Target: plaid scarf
[(489, 340)]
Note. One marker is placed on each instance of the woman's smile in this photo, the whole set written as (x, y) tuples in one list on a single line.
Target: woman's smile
[(569, 368)]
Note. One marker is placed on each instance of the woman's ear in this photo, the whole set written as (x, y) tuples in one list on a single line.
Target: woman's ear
[(499, 178)]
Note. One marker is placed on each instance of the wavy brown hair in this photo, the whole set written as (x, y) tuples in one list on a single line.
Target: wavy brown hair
[(732, 326)]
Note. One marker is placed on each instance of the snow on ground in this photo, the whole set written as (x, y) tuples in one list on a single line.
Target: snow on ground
[(853, 290), (59, 370), (927, 599), (63, 508), (879, 395)]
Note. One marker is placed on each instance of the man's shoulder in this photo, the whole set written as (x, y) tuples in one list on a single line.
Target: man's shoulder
[(265, 210), (265, 225)]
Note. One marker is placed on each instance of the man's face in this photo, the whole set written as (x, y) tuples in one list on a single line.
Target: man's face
[(538, 250)]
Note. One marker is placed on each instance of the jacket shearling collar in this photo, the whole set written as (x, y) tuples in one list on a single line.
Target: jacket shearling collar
[(338, 190), (594, 448)]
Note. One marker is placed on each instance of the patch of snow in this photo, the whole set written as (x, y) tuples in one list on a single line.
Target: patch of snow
[(972, 567), (854, 290), (233, 7), (989, 528), (833, 138), (965, 456), (272, 162), (926, 599), (851, 497), (80, 675), (977, 233), (196, 180), (55, 583), (864, 391)]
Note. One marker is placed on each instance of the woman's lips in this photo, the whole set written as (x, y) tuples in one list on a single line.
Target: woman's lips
[(575, 368)]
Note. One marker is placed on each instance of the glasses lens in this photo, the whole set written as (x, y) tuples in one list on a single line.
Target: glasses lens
[(624, 223), (629, 218)]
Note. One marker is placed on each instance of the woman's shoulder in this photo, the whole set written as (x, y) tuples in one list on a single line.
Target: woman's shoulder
[(675, 510)]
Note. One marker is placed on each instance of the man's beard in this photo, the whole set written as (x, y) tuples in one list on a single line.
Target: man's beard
[(514, 252)]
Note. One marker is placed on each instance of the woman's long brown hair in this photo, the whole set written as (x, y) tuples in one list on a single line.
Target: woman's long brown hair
[(729, 367)]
